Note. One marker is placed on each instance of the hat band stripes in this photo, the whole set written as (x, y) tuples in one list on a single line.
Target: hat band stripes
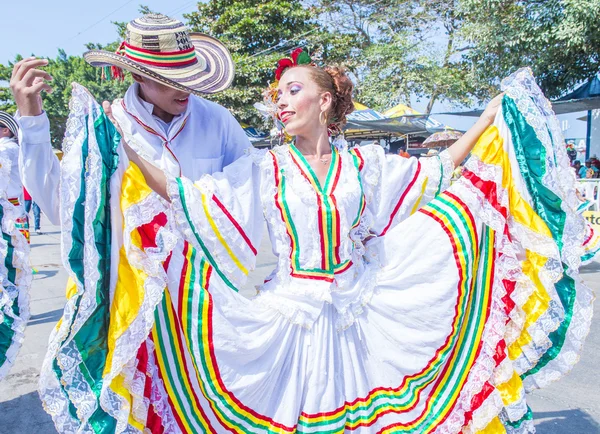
[(161, 59)]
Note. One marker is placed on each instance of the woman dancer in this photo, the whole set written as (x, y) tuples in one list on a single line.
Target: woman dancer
[(395, 306)]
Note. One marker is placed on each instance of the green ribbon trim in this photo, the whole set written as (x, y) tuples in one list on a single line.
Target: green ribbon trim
[(91, 339), (531, 157)]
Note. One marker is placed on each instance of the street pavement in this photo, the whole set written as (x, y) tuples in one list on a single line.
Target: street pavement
[(569, 406)]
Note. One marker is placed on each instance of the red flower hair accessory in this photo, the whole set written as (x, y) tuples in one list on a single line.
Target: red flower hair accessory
[(297, 57)]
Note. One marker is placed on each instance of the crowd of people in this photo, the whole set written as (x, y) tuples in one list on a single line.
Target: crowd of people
[(362, 326)]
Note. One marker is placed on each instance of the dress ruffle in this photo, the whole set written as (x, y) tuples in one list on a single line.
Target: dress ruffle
[(15, 276), (435, 312)]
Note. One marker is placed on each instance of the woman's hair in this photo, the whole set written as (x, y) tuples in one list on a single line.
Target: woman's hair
[(333, 79)]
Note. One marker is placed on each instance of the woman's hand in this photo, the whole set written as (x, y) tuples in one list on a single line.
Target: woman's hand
[(489, 114), (461, 148)]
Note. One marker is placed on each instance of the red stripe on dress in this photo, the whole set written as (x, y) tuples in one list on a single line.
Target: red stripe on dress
[(338, 235), (336, 213), (401, 200), (500, 353), (488, 188), (171, 405), (590, 236), (222, 385), (149, 230), (361, 160), (509, 304), (177, 333), (470, 215), (447, 366), (235, 223), (435, 356), (478, 399)]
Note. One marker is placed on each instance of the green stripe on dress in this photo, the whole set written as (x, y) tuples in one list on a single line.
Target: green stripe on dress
[(531, 156)]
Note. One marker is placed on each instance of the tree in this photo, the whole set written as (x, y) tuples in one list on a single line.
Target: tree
[(64, 71), (258, 34), (558, 39), (406, 48)]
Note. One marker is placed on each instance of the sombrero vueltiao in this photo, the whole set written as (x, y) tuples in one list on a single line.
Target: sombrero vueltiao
[(161, 49), (9, 122)]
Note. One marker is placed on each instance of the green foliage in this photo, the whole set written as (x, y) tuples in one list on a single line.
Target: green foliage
[(435, 50), (258, 34), (64, 71), (558, 39)]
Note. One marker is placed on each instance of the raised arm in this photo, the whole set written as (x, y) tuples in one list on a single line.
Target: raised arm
[(463, 146), (39, 166)]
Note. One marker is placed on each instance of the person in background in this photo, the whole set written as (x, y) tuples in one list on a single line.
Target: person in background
[(402, 152), (29, 204), (571, 151), (588, 170), (577, 167)]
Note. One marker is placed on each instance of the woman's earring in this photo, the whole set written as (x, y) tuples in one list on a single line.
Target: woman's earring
[(323, 118)]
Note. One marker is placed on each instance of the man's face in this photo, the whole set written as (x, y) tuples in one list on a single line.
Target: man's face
[(171, 101)]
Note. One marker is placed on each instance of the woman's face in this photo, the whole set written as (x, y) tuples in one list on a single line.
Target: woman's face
[(300, 102)]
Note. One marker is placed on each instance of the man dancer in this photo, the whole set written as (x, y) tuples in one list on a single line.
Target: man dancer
[(182, 134), (175, 129)]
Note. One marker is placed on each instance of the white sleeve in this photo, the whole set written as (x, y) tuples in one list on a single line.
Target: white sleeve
[(39, 166), (221, 215)]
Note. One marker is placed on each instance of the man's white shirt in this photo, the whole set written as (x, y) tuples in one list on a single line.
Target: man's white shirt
[(202, 140)]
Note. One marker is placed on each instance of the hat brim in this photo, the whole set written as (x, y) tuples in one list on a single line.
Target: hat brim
[(9, 122), (213, 73)]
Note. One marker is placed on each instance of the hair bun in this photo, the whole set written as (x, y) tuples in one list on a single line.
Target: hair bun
[(343, 104)]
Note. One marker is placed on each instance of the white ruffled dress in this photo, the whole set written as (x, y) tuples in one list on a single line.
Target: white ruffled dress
[(397, 304)]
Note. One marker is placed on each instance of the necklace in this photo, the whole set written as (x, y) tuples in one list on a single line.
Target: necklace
[(324, 160)]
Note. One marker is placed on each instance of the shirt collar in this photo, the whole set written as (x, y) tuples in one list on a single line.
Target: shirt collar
[(149, 107)]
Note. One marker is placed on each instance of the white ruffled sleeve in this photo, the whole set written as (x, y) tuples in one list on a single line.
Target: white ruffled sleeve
[(396, 187), (221, 215)]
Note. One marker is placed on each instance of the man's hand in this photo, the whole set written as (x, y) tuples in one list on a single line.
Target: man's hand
[(107, 107), (27, 83)]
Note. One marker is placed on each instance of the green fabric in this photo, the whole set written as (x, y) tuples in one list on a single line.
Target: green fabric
[(531, 156), (91, 339), (516, 425)]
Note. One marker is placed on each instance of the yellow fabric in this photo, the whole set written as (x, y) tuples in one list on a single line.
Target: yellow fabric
[(129, 289), (512, 390), (222, 240), (418, 202), (118, 386), (490, 149), (536, 305), (134, 188), (494, 427), (71, 288)]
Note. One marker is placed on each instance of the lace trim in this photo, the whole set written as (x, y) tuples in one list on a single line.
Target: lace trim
[(17, 291)]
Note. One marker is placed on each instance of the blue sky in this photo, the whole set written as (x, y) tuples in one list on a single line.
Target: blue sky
[(41, 27)]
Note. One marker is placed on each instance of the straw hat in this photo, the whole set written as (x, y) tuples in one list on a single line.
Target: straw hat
[(9, 122), (161, 49), (431, 153)]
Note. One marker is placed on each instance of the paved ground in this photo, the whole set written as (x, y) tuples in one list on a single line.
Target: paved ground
[(571, 406)]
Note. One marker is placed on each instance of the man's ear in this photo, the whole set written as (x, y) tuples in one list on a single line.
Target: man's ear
[(137, 78)]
